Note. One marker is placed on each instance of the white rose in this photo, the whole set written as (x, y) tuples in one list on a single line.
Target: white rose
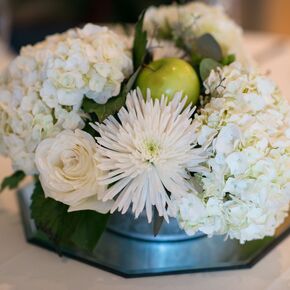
[(68, 171)]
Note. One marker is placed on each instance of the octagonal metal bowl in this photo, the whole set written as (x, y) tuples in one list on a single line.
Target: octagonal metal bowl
[(129, 249)]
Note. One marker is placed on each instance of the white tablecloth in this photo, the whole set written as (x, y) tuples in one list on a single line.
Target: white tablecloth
[(27, 267)]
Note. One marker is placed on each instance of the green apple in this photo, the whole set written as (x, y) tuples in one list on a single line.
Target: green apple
[(168, 76)]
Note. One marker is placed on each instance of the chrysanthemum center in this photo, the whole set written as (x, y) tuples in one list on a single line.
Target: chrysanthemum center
[(151, 150)]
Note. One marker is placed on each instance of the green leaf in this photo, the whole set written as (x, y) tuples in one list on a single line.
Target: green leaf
[(12, 181), (88, 128), (103, 111), (140, 43), (195, 59), (208, 47), (114, 104), (88, 228), (81, 229), (47, 214), (157, 222), (228, 59), (206, 66), (129, 85)]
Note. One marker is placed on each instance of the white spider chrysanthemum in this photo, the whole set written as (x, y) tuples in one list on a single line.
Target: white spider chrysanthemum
[(148, 153)]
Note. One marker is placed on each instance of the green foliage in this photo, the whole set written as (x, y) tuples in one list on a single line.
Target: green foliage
[(103, 111), (81, 229), (206, 66), (157, 222), (228, 59), (140, 43), (113, 105), (129, 85), (208, 47), (12, 181), (195, 59), (204, 47)]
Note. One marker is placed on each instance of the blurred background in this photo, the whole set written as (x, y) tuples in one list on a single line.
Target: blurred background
[(28, 21)]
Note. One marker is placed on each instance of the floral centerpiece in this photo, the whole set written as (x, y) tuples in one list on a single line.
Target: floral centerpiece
[(174, 122)]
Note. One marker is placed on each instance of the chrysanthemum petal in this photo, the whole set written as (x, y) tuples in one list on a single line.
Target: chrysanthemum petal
[(146, 153)]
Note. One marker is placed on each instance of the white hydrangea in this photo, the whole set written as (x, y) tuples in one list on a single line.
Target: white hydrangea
[(160, 20), (246, 191), (41, 92), (91, 61), (158, 47), (165, 49), (189, 21)]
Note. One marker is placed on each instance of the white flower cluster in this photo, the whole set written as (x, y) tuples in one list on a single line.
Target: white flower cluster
[(189, 21), (165, 49), (42, 91), (245, 192)]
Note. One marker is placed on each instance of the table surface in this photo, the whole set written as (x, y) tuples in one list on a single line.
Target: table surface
[(27, 267)]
